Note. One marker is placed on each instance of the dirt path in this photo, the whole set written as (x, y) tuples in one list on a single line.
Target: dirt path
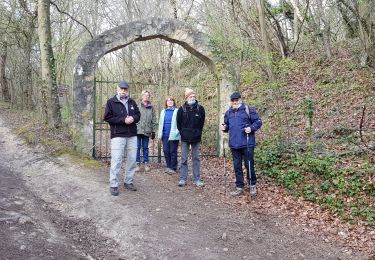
[(78, 218)]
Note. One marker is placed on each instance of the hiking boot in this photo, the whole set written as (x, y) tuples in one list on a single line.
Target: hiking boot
[(237, 192), (130, 186), (147, 168), (114, 191), (253, 190), (182, 183), (137, 168), (199, 183)]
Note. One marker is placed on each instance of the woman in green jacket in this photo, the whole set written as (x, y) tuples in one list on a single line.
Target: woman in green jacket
[(145, 128)]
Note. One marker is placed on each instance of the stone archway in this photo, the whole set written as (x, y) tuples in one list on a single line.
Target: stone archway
[(167, 29)]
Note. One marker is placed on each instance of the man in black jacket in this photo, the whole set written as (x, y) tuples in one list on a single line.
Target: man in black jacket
[(190, 122), (122, 114)]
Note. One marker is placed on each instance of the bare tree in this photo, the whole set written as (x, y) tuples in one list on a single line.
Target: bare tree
[(267, 53), (363, 13), (3, 79), (50, 100)]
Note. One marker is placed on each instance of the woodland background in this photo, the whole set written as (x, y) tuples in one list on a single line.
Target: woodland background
[(307, 66)]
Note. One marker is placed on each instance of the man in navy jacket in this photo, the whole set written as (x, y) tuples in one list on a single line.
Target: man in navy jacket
[(122, 114), (242, 122)]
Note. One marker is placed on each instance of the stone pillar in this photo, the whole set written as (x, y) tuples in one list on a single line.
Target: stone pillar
[(83, 103)]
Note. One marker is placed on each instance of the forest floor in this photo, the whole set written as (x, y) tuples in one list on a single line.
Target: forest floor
[(57, 207)]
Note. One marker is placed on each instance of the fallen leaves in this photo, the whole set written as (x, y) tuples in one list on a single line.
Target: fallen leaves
[(273, 200)]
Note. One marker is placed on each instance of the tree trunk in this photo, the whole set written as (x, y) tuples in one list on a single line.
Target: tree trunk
[(28, 91), (262, 22), (170, 52), (131, 46), (50, 99), (366, 31), (3, 80), (296, 20), (325, 33)]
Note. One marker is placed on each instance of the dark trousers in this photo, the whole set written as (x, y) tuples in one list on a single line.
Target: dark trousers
[(142, 142), (239, 156), (170, 152)]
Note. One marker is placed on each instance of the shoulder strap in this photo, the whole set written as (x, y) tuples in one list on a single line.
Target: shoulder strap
[(247, 110), (226, 113)]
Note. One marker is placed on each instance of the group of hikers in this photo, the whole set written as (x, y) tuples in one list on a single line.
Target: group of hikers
[(133, 124)]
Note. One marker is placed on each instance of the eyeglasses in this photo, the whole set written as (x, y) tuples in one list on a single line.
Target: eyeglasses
[(234, 100)]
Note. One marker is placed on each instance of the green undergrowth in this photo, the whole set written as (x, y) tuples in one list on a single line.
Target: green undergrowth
[(341, 185), (78, 158), (54, 143)]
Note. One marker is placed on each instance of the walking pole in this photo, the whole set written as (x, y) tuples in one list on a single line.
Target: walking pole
[(248, 169), (152, 148), (225, 170)]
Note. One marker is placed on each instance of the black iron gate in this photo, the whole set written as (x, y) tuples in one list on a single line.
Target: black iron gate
[(104, 89)]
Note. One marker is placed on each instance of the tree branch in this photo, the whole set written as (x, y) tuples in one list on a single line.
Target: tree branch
[(71, 17), (356, 13), (300, 27), (361, 122)]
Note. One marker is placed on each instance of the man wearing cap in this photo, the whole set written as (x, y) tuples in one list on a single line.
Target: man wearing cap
[(122, 114), (242, 122), (190, 122)]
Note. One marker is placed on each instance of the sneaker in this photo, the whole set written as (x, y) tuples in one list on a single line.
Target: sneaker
[(114, 191), (199, 183), (137, 168), (130, 186), (253, 190), (170, 171), (182, 183), (147, 168), (237, 192)]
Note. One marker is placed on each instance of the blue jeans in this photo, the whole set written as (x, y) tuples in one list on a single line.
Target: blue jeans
[(142, 142), (195, 147), (170, 152), (118, 146), (244, 155)]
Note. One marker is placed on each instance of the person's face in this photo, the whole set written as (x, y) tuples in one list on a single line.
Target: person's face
[(122, 92), (146, 97), (192, 97), (170, 102), (235, 102)]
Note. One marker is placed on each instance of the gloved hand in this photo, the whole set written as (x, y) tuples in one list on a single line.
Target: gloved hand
[(152, 135)]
